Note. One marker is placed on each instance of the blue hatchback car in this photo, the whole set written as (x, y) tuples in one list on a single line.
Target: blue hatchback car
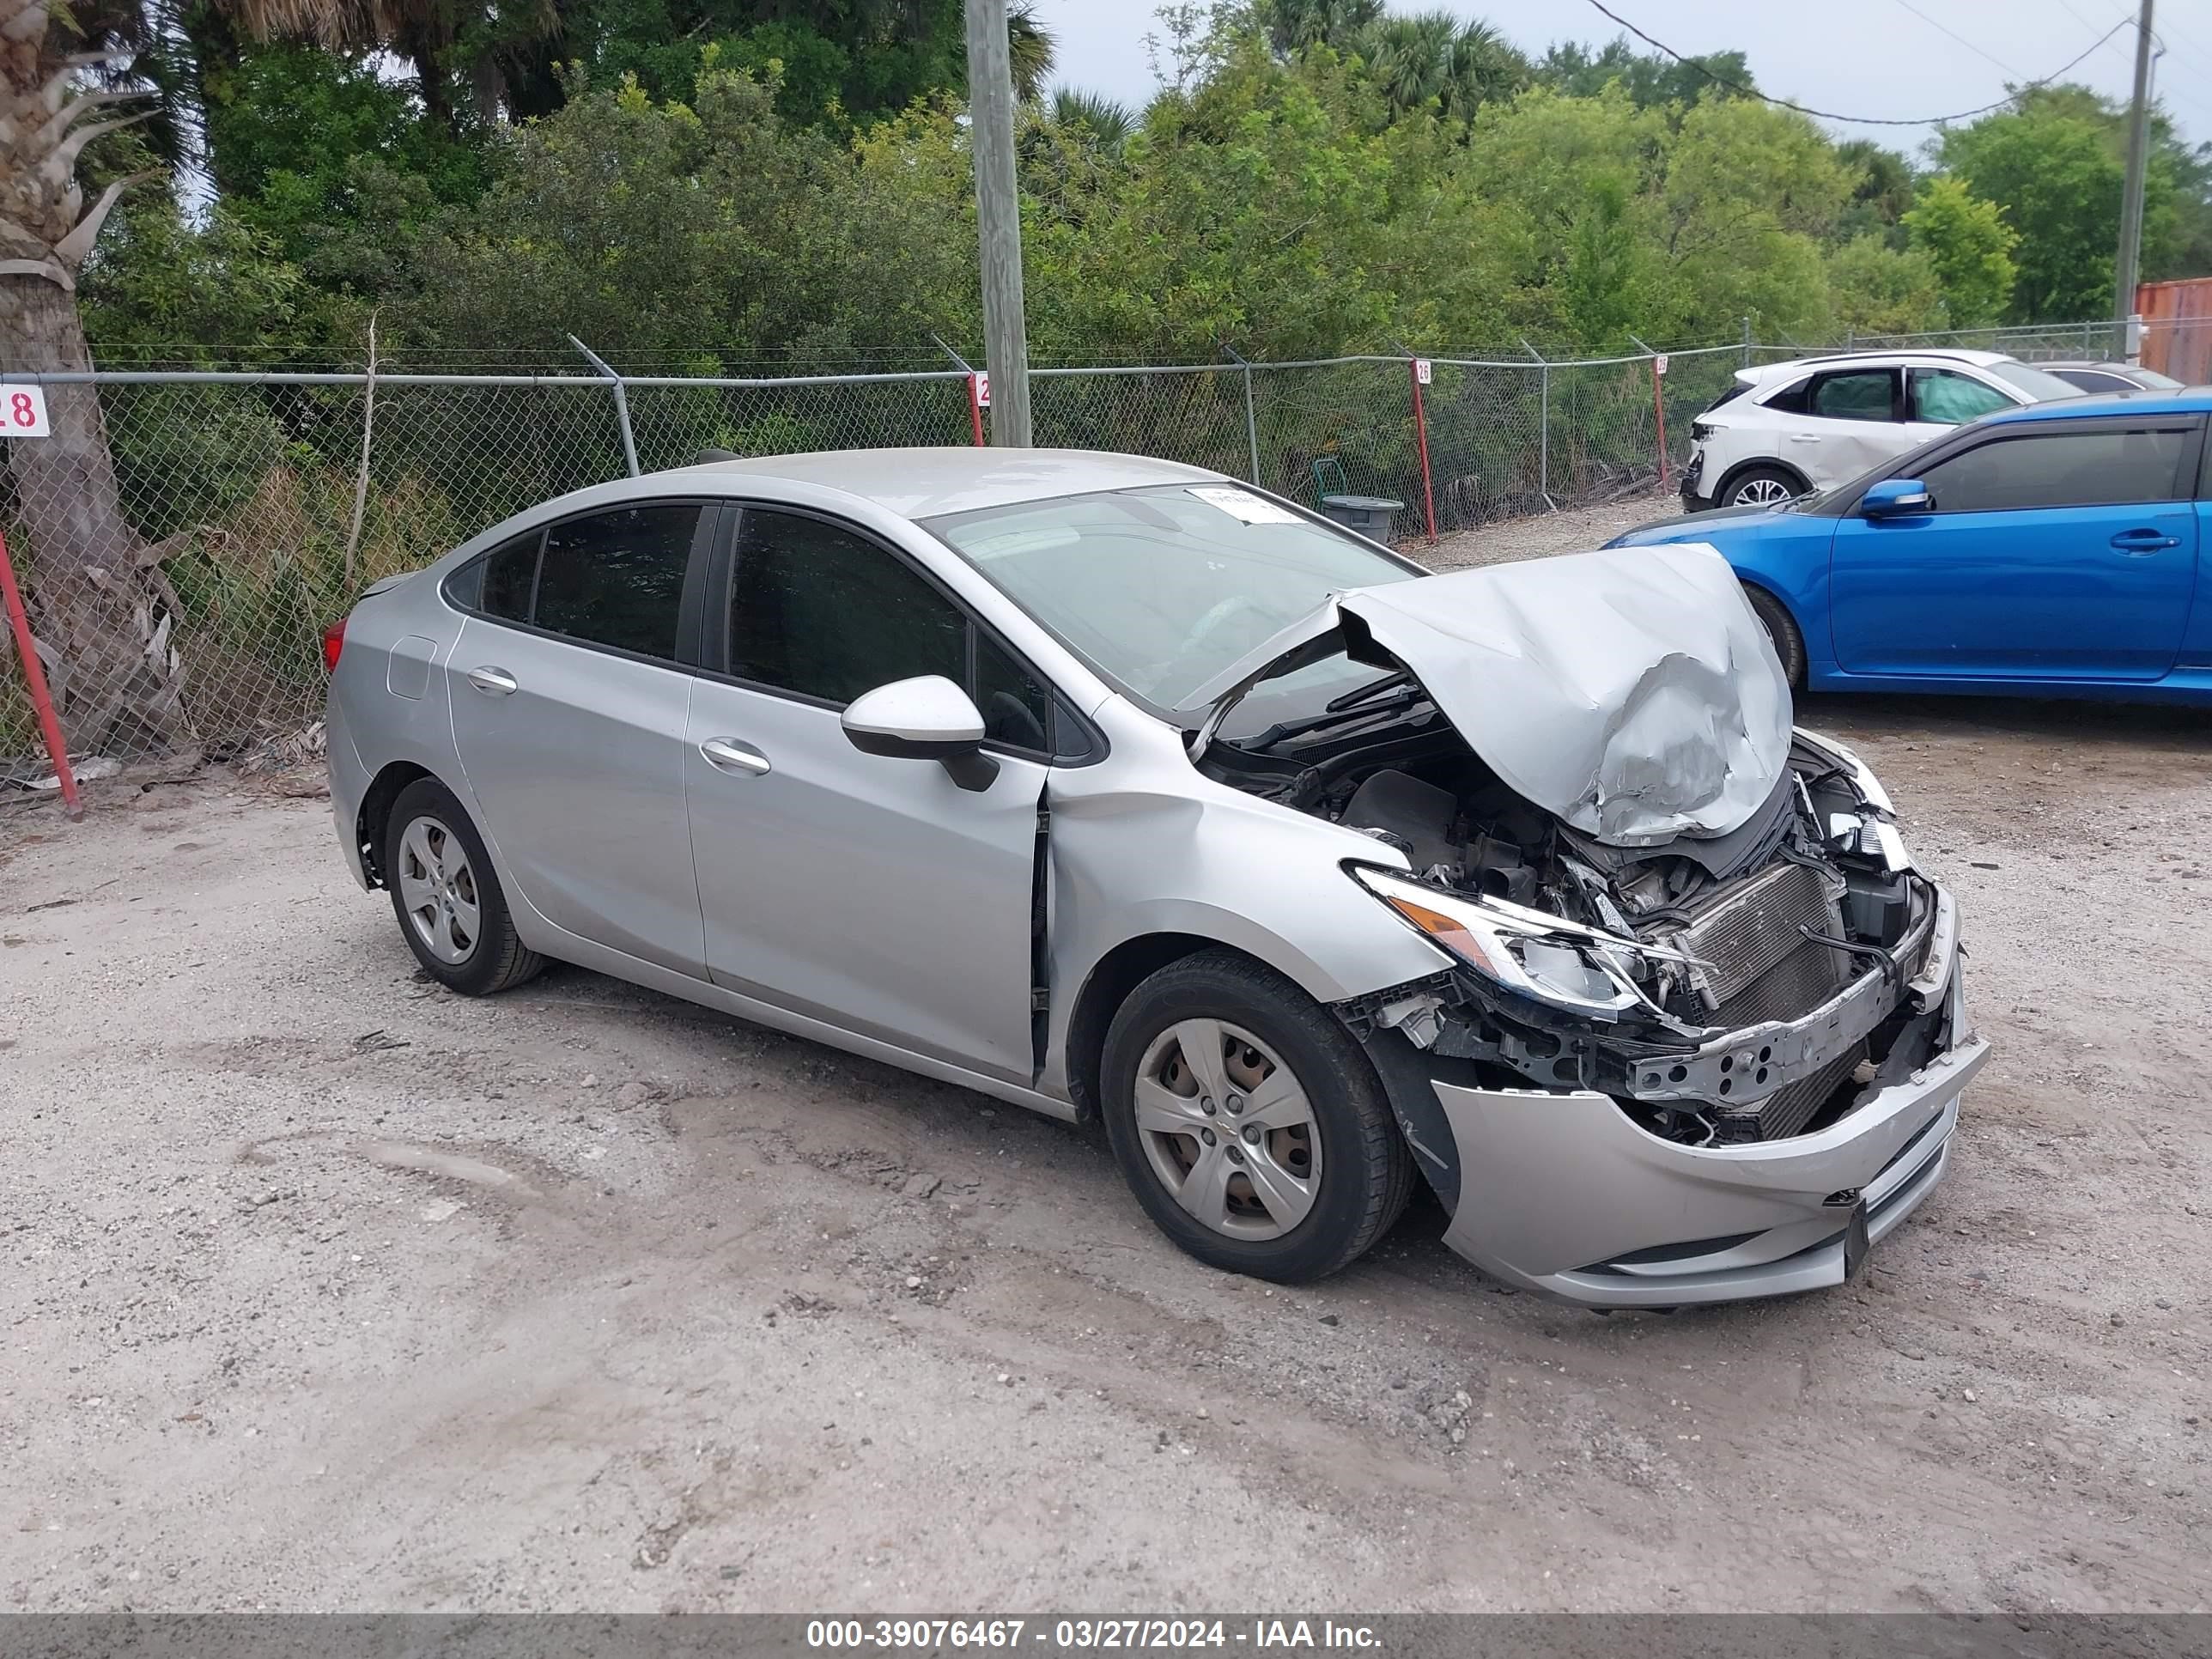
[(2053, 550)]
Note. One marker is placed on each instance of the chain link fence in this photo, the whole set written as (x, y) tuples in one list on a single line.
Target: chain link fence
[(183, 538)]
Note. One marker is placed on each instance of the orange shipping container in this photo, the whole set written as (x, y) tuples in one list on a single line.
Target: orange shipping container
[(2178, 328)]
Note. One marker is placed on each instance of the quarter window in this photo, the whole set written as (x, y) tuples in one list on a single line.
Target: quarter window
[(508, 573), (616, 578), (2061, 468)]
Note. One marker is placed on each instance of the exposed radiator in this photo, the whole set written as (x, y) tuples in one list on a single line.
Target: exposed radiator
[(1763, 968)]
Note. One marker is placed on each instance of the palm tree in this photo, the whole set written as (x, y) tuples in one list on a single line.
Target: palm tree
[(99, 613), (1030, 50), (1294, 25), (1104, 123), (1409, 57), (1483, 65)]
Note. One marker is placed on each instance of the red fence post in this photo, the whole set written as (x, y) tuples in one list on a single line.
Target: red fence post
[(975, 396), (34, 677), (1417, 368), (1659, 410)]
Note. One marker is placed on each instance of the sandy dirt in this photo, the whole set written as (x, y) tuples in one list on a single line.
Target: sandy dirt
[(325, 1289)]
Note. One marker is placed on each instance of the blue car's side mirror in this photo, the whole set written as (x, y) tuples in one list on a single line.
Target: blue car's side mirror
[(1897, 498)]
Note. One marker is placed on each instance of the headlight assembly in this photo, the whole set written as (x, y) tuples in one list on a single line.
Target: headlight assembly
[(1547, 958)]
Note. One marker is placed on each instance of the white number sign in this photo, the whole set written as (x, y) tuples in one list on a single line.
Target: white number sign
[(1421, 370), (1659, 364), (24, 412), (982, 389)]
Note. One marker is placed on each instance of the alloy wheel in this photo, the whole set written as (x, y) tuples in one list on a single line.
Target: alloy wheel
[(1228, 1129), (439, 889), (1763, 492)]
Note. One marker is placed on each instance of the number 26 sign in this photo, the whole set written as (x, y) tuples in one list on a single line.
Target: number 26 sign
[(24, 412)]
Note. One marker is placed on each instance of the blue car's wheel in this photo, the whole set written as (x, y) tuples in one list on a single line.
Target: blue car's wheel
[(1789, 643)]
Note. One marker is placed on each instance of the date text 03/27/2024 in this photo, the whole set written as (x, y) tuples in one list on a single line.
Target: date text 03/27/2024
[(1087, 1635)]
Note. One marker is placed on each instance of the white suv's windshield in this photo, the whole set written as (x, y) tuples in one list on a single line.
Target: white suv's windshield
[(1161, 588)]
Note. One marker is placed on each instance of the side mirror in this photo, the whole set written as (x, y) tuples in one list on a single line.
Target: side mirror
[(1896, 498), (927, 718)]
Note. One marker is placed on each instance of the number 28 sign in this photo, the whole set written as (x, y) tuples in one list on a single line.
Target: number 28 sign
[(24, 412)]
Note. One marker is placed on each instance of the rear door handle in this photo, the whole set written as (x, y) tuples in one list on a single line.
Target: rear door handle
[(494, 682), (728, 755), (2144, 541)]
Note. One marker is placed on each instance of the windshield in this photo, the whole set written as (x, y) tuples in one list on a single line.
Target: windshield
[(2039, 385), (1159, 589)]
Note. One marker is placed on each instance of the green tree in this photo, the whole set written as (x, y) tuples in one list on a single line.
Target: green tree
[(1876, 289), (2054, 165), (1651, 80), (1969, 246)]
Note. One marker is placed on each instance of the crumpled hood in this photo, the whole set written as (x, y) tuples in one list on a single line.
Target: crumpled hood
[(1631, 692)]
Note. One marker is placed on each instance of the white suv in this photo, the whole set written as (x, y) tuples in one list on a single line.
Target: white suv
[(1783, 428)]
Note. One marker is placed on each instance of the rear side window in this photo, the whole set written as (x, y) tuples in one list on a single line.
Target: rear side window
[(507, 575), (817, 610), (616, 578), (1862, 394), (2061, 468)]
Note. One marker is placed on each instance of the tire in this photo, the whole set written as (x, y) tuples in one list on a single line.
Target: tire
[(452, 913), (1755, 486), (1356, 1172), (1782, 630)]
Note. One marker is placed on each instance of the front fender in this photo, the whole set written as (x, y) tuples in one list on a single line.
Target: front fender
[(1144, 844)]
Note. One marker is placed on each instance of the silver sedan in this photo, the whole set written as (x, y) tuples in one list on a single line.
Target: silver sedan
[(1120, 790)]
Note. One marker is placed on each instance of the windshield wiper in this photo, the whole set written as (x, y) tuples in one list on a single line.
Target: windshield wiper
[(1359, 694), (1407, 696)]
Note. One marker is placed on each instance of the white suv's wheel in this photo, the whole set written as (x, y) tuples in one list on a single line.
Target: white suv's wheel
[(1762, 486)]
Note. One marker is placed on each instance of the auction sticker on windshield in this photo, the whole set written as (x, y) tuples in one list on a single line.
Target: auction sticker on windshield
[(1242, 504)]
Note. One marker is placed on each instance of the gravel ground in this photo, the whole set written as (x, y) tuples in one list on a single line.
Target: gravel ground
[(326, 1290)]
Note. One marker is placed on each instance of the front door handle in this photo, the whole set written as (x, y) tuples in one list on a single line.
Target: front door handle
[(728, 755), (2144, 541), (494, 682)]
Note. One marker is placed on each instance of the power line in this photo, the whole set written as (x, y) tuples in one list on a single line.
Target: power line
[(1947, 29), (1861, 120)]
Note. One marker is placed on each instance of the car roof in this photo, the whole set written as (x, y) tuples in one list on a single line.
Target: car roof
[(1878, 359), (2189, 400), (924, 482)]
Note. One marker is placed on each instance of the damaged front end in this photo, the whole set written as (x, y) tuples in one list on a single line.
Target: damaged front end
[(1701, 1034)]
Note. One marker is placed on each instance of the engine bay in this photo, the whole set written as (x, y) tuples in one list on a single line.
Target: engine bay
[(1771, 971)]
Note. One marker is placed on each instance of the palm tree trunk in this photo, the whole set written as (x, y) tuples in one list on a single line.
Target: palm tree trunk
[(114, 676)]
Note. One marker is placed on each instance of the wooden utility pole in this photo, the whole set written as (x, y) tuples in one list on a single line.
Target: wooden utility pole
[(2131, 202), (998, 220)]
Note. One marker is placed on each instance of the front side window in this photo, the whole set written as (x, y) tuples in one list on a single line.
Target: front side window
[(1860, 394), (818, 610), (616, 578), (2119, 467), (1161, 588), (1946, 398)]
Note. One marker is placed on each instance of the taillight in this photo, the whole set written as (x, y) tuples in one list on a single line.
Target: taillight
[(333, 642)]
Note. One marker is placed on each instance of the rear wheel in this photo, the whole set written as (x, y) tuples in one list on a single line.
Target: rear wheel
[(447, 897), (1782, 630), (1248, 1123), (1762, 486)]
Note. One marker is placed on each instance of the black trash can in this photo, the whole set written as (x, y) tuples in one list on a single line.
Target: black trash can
[(1368, 514)]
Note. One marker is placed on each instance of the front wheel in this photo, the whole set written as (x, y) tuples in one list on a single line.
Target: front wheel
[(1248, 1123), (1762, 486)]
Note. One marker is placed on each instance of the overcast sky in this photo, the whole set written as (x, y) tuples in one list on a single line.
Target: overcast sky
[(1867, 58)]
